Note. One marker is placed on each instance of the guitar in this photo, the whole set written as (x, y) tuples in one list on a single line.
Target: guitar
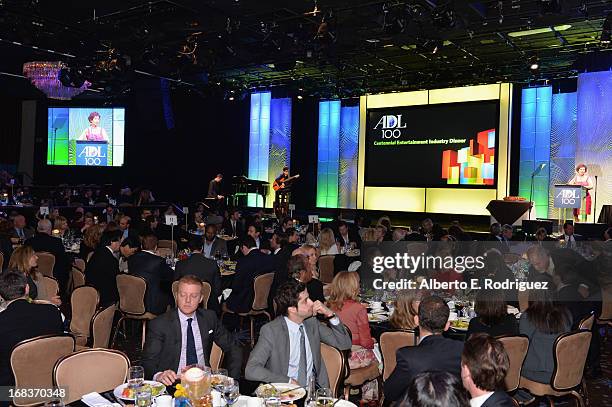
[(281, 184)]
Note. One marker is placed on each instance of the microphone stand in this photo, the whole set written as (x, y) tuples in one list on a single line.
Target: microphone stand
[(595, 202)]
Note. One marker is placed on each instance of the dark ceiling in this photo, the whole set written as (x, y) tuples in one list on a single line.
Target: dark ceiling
[(325, 47)]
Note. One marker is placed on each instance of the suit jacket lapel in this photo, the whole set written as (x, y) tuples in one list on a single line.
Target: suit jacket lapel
[(176, 329), (284, 345), (310, 331)]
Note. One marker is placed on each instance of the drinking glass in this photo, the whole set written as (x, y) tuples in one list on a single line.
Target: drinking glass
[(230, 391), (135, 377), (325, 397), (143, 396), (217, 378)]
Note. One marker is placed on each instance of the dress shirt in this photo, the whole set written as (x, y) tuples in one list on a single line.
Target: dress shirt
[(570, 241), (294, 351), (196, 336), (208, 248), (257, 242), (233, 223), (480, 400), (277, 250), (125, 234)]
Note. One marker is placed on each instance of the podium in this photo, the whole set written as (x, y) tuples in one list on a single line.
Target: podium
[(568, 196), (91, 153)]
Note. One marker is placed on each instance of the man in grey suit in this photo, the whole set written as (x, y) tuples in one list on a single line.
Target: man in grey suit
[(212, 244), (289, 347)]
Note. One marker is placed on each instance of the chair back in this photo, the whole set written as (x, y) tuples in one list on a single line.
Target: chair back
[(164, 252), (570, 353), (587, 322), (206, 290), (523, 300), (46, 262), (78, 278), (83, 302), (80, 264), (132, 290), (390, 342), (326, 268), (516, 347), (216, 356), (336, 368), (50, 288), (261, 287), (102, 325), (32, 363), (105, 369), (167, 244)]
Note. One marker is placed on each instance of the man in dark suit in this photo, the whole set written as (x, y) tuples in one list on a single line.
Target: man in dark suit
[(252, 264), (298, 269), (22, 320), (203, 268), (484, 364), (212, 244), (255, 230), (184, 336), (44, 242), (570, 238), (434, 351), (103, 268), (125, 225), (21, 230), (348, 237), (146, 264), (289, 347), (233, 225), (214, 187), (281, 253)]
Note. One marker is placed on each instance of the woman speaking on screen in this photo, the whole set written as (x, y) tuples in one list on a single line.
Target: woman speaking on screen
[(584, 179), (94, 132)]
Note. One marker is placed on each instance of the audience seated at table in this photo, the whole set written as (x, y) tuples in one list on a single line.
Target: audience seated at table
[(312, 258), (44, 242), (233, 225), (433, 351), (146, 264), (213, 246), (25, 260), (327, 242), (298, 330), (279, 244), (293, 237), (543, 321), (21, 230), (344, 301), (128, 247), (91, 240), (406, 309), (298, 269), (184, 336), (484, 364), (202, 267), (103, 268), (255, 231), (347, 236), (492, 315), (21, 320), (435, 389), (252, 264)]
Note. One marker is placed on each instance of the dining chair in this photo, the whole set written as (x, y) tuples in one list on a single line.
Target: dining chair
[(132, 290), (78, 278), (206, 289), (326, 268), (90, 370), (80, 264), (516, 347), (50, 288), (261, 287), (390, 342), (84, 303), (570, 352), (523, 300), (167, 244), (101, 327), (216, 356), (46, 262), (336, 366), (32, 362)]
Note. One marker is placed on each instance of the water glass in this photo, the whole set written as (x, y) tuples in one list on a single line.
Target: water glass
[(230, 391), (135, 376), (325, 397), (273, 401), (143, 396), (217, 378)]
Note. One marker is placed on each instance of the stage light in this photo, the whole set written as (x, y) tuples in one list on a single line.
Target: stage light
[(300, 97), (534, 64)]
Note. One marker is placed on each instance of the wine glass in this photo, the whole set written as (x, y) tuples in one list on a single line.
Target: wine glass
[(325, 397), (135, 376), (217, 378), (230, 390)]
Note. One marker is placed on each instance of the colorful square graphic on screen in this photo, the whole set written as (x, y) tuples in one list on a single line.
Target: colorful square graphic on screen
[(473, 165), (85, 136)]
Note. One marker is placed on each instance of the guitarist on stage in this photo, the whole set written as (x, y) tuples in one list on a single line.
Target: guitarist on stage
[(282, 186)]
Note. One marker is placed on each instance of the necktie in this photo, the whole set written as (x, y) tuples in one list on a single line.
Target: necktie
[(302, 376), (20, 233), (192, 356)]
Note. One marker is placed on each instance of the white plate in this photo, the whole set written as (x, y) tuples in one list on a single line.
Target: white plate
[(296, 394), (377, 317), (344, 403), (119, 389), (379, 311)]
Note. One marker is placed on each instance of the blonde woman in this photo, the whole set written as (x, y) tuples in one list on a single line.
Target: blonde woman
[(25, 260), (368, 235), (61, 225), (406, 308), (343, 300), (327, 242)]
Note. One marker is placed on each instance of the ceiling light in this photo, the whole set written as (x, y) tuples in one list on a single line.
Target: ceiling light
[(535, 31), (300, 97), (534, 64)]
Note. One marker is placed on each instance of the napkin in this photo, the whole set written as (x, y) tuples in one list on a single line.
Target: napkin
[(96, 400)]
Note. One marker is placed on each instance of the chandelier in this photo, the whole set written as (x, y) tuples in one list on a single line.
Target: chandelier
[(45, 76)]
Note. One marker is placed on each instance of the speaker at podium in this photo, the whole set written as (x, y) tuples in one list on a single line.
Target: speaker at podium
[(91, 153)]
